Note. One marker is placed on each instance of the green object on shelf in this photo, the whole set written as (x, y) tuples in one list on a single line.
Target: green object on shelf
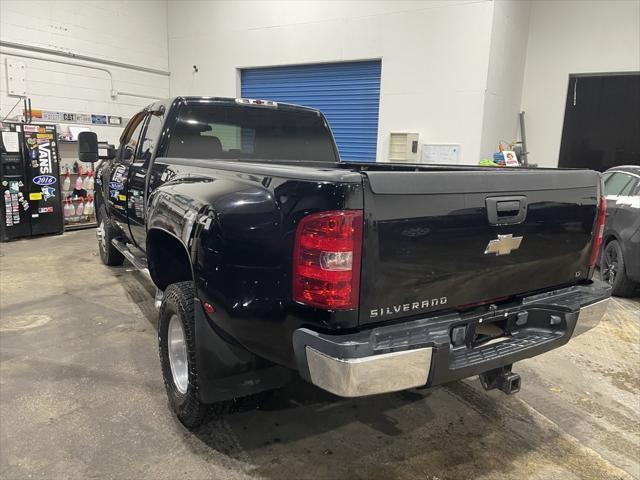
[(485, 162)]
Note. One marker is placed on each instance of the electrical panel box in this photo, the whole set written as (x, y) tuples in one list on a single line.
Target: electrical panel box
[(16, 77), (403, 147)]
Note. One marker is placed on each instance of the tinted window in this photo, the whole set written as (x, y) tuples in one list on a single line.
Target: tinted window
[(239, 132), (618, 184), (631, 188), (151, 137), (130, 138)]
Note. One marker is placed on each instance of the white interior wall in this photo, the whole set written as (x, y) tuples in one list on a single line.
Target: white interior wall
[(451, 70), (572, 37), (434, 55), (510, 29), (128, 32)]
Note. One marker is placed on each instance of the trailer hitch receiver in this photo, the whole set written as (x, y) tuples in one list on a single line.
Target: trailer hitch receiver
[(502, 378)]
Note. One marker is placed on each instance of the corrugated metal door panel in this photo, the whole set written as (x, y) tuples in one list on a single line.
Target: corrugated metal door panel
[(347, 93)]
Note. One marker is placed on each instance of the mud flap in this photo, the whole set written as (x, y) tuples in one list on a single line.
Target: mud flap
[(227, 370)]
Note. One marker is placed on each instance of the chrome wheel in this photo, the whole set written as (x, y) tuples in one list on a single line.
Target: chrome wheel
[(177, 347), (610, 265), (100, 235)]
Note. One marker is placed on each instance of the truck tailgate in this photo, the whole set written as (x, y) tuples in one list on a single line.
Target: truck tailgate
[(438, 240)]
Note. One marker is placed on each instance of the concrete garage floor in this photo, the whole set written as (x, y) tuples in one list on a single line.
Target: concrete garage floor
[(81, 396)]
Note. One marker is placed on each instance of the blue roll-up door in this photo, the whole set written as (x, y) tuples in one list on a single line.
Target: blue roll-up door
[(347, 93)]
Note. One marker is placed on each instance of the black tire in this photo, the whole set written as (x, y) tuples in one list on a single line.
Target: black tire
[(178, 301), (105, 232), (612, 270)]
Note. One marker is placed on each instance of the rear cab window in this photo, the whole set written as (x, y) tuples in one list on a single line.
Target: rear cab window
[(246, 133)]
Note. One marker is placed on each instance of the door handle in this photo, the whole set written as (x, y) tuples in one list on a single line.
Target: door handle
[(506, 210)]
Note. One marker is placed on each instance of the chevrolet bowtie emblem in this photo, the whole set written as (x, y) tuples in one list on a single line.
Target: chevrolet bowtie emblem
[(503, 245)]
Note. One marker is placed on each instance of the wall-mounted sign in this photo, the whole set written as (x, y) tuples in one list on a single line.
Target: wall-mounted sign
[(79, 118), (99, 119), (441, 153)]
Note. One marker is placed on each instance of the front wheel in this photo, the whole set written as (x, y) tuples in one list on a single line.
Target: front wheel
[(612, 269), (176, 342)]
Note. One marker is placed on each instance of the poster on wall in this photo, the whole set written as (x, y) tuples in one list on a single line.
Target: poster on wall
[(441, 153), (80, 118)]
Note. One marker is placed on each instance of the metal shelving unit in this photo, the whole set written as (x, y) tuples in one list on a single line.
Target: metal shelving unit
[(74, 222)]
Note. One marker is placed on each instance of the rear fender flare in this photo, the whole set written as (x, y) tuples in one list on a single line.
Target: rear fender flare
[(609, 237), (161, 205)]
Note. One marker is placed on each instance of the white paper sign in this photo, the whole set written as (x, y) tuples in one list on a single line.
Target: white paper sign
[(441, 153), (11, 142)]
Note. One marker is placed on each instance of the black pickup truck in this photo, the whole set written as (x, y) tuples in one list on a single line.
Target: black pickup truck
[(271, 256)]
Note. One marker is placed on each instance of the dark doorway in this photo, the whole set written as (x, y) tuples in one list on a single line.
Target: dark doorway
[(601, 122)]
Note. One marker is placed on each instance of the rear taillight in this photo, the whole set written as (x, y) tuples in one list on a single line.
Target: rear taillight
[(599, 231), (326, 259)]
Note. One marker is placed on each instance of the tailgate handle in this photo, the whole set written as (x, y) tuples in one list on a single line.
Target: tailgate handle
[(506, 210), (507, 207)]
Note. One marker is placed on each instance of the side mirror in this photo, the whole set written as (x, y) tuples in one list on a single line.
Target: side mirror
[(88, 147)]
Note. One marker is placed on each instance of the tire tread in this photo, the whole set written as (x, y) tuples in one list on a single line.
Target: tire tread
[(623, 286), (111, 257), (188, 407)]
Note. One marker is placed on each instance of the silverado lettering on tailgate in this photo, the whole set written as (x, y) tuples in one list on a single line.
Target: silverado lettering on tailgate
[(406, 307)]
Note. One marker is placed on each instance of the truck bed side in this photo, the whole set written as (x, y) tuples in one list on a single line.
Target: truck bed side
[(238, 222)]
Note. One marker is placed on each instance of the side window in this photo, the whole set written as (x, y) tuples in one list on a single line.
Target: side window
[(130, 138), (149, 143), (630, 187), (618, 183)]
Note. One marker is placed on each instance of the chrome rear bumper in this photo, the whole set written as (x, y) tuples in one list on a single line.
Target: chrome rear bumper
[(590, 316), (420, 352), (356, 377)]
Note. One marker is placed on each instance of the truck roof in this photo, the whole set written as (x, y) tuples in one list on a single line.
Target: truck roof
[(635, 169), (199, 100)]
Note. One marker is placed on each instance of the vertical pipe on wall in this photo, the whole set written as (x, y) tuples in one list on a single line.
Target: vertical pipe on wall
[(523, 136)]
